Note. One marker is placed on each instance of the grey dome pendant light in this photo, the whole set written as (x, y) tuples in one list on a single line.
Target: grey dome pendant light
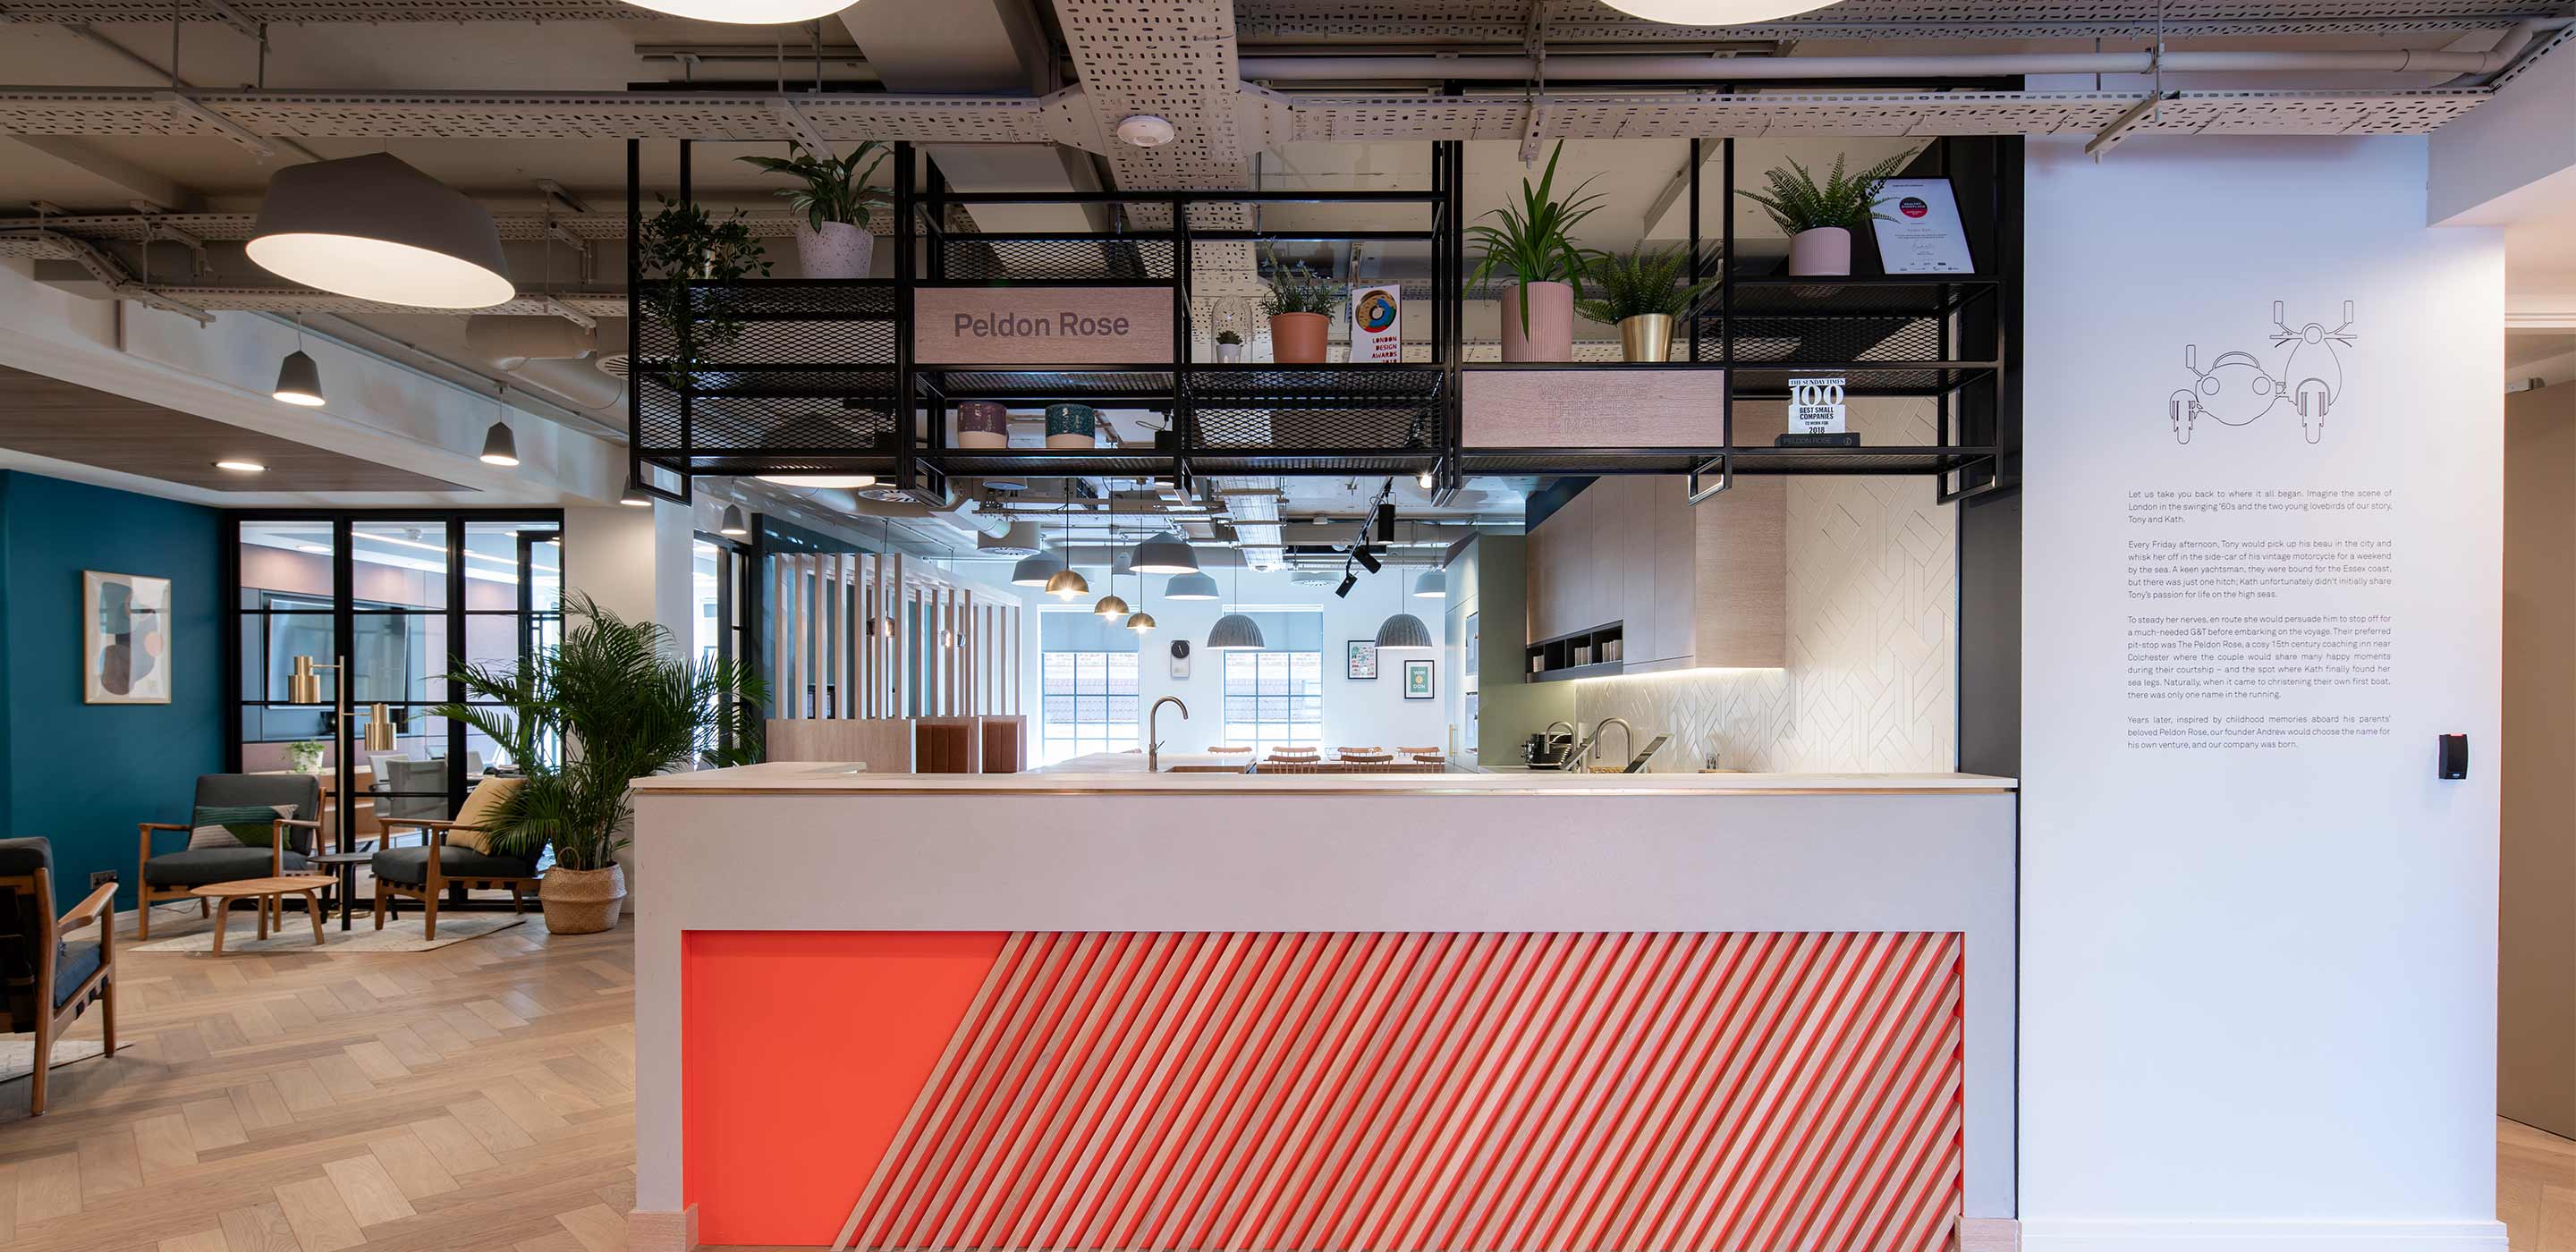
[(1402, 632), (1235, 632), (1067, 582), (1165, 553), (500, 447), (1431, 584), (1197, 586), (299, 380), (732, 524), (1036, 569), (375, 228), (633, 496)]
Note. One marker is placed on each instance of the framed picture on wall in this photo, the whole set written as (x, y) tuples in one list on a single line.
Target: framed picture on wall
[(1417, 680), (125, 639), (1359, 662)]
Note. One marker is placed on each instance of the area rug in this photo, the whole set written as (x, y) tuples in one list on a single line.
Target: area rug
[(18, 1055), (399, 935)]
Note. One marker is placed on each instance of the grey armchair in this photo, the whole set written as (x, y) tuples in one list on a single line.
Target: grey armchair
[(173, 874), (48, 978)]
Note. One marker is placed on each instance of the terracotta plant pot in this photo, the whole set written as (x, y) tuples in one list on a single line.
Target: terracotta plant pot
[(1550, 334), (1299, 338), (839, 250), (1823, 252), (582, 901), (1646, 337)]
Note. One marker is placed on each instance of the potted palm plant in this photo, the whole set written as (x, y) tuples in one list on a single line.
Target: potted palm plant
[(835, 197), (1300, 304), (612, 702), (1818, 217), (1535, 242), (1641, 293)]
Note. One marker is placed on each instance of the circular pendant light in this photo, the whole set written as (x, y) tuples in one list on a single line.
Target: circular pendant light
[(1431, 584), (732, 524), (1166, 553), (1066, 584), (633, 496), (1403, 633), (844, 481), (746, 12), (1235, 633), (1037, 569), (1716, 12), (299, 381), (1110, 606), (1141, 623), (374, 228), (1190, 587), (500, 446)]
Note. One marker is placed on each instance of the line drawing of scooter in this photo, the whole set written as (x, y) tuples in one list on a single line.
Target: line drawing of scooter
[(2239, 388)]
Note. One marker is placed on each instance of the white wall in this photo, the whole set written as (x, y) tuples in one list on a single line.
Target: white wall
[(1355, 713), (2258, 982)]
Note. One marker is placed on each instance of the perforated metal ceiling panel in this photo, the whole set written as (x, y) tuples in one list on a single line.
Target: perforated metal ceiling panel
[(514, 227), (332, 11), (1506, 21)]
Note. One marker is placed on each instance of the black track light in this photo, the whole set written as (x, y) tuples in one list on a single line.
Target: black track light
[(1386, 523), (1366, 558), (1349, 580)]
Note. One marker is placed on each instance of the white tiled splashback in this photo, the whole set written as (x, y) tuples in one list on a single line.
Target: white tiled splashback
[(1872, 682)]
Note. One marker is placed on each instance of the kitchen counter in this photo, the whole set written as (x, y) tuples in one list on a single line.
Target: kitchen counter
[(820, 950), (1125, 772)]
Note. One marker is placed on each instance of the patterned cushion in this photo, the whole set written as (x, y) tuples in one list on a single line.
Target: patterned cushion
[(235, 825)]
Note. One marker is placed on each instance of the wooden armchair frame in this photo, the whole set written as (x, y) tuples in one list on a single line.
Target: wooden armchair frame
[(146, 895), (52, 1018), (434, 880)]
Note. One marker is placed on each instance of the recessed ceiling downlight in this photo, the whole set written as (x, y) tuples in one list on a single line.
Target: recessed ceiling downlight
[(1145, 130), (746, 12), (1716, 12), (241, 465), (374, 228)]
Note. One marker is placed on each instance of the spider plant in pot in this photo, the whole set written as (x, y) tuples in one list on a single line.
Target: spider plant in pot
[(1534, 242), (1300, 304), (688, 257), (1641, 293), (1229, 347), (834, 195), (1818, 217), (611, 702)]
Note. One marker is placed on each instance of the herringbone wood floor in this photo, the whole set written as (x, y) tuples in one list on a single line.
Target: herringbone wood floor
[(480, 1096)]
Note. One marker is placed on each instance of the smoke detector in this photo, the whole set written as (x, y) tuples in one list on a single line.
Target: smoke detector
[(1145, 130)]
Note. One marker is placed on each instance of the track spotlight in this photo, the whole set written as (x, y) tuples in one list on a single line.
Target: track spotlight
[(1349, 580), (1367, 559), (1385, 526)]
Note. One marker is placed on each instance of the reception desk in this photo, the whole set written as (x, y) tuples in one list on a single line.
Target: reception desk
[(1412, 1012)]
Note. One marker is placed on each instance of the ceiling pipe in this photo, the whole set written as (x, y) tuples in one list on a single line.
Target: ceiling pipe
[(1588, 67)]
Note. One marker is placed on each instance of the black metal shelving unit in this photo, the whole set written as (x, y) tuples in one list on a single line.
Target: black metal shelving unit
[(823, 377)]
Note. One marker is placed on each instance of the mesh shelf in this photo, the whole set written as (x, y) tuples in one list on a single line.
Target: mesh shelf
[(1771, 382), (1928, 296), (1048, 385), (1022, 259), (1748, 461)]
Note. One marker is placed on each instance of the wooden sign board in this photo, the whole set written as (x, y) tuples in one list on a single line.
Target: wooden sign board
[(1042, 326), (1636, 407)]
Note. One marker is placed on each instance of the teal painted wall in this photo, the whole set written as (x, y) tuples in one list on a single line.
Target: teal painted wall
[(82, 775)]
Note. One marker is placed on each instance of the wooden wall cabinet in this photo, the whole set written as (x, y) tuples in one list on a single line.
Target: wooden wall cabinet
[(1701, 587)]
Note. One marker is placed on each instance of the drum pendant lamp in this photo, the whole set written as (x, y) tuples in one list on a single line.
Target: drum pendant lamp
[(1716, 12), (746, 12), (374, 228)]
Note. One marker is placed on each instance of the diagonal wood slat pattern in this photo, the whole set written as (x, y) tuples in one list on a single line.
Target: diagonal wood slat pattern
[(1415, 1091)]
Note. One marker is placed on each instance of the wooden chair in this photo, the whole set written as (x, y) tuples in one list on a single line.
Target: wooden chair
[(1419, 751), (47, 979), (1226, 750), (1368, 751), (436, 868), (172, 875), (1368, 758)]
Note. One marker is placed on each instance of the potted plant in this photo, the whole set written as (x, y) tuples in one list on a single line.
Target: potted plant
[(304, 756), (1818, 217), (1641, 293), (835, 197), (611, 702), (1535, 243), (1229, 347), (1300, 304), (687, 255)]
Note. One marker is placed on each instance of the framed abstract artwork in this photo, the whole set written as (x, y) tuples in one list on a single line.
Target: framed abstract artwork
[(1417, 680), (125, 639), (1359, 660)]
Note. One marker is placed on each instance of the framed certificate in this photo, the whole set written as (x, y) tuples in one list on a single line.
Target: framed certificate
[(1919, 231)]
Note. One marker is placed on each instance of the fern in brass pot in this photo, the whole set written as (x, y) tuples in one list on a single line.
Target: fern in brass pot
[(1641, 293)]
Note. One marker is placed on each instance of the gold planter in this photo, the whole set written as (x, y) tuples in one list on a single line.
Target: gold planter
[(1647, 337)]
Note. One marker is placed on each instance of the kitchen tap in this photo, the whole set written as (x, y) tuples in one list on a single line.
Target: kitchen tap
[(1153, 745), (1547, 738), (1583, 750)]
